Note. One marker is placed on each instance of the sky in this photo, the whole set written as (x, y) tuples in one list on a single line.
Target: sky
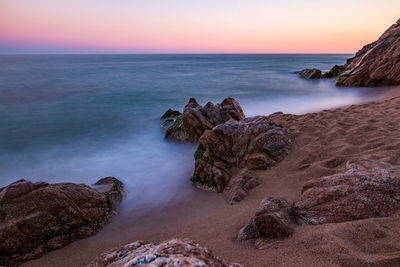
[(192, 26)]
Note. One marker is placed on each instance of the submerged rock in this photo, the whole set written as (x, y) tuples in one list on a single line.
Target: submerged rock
[(310, 73), (376, 64), (168, 118), (254, 143), (175, 252), (196, 119), (39, 217), (177, 131), (368, 189), (170, 113), (334, 72)]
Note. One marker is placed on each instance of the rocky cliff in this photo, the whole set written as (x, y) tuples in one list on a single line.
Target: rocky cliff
[(376, 64)]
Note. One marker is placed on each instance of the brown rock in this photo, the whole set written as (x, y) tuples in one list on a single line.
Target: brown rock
[(239, 185), (38, 217), (196, 119), (175, 252), (376, 64), (310, 73), (271, 221), (367, 189), (253, 143), (334, 72)]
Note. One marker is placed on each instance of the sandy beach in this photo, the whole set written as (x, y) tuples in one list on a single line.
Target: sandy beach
[(324, 141)]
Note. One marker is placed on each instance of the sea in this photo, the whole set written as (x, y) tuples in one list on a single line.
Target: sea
[(78, 118)]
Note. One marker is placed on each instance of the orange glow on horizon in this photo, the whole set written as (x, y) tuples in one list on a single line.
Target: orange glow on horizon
[(245, 27)]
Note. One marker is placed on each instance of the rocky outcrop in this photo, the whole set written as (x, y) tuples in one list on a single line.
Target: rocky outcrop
[(196, 119), (271, 221), (376, 64), (334, 72), (254, 143), (239, 185), (112, 188), (310, 73), (38, 217), (176, 252), (317, 74), (367, 189), (168, 118)]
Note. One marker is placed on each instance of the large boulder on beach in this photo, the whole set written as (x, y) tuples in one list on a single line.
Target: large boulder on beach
[(376, 64), (271, 221), (254, 143), (39, 217), (368, 189), (175, 252), (196, 119), (310, 74)]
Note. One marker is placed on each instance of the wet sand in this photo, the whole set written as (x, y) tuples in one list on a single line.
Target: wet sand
[(324, 141)]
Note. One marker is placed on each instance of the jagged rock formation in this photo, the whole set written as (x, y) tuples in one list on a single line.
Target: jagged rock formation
[(376, 64), (196, 119), (38, 217), (175, 252), (368, 189), (254, 143)]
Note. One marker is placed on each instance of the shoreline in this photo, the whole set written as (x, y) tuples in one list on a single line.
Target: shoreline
[(206, 217)]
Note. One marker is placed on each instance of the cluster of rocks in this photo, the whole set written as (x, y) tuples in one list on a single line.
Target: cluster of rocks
[(336, 71), (175, 252), (230, 148), (368, 189), (376, 64), (228, 141), (196, 119), (36, 218)]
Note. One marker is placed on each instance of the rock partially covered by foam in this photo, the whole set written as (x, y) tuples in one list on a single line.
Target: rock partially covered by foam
[(310, 74), (175, 252)]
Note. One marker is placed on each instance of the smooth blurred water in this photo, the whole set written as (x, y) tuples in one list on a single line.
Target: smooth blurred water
[(82, 117)]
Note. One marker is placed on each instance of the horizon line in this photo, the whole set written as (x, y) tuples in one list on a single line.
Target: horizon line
[(180, 53)]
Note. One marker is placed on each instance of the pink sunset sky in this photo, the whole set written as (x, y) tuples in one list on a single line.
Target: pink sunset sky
[(193, 26)]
